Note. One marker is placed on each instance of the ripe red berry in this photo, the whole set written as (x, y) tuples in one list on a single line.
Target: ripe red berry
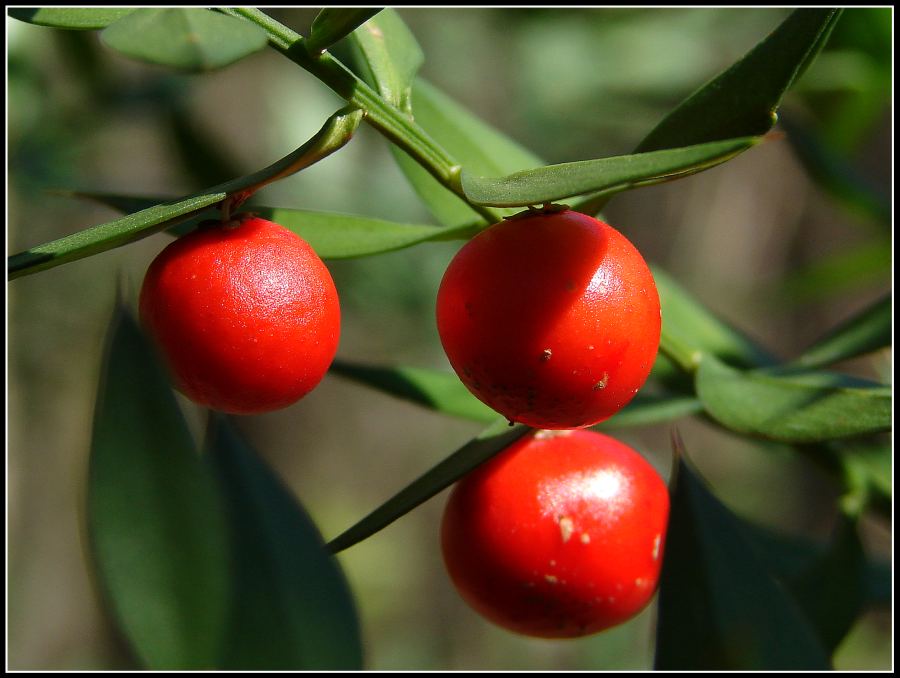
[(246, 317), (560, 535), (550, 318)]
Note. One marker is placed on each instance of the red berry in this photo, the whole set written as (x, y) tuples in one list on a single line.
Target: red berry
[(550, 318), (246, 317), (560, 535)]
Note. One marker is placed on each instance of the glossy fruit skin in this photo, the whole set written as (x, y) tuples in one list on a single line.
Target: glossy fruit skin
[(560, 535), (551, 318), (247, 317)]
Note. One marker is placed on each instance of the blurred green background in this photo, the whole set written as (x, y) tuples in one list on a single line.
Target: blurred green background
[(778, 254)]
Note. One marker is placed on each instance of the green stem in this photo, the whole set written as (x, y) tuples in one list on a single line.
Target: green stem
[(389, 121), (680, 353)]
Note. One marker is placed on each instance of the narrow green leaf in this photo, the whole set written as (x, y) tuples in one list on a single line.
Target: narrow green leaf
[(646, 409), (719, 607), (390, 56), (77, 18), (436, 390), (293, 607), (343, 236), (157, 535), (867, 331), (492, 440), (333, 135), (109, 235), (688, 324), (742, 100), (831, 590), (848, 269), (331, 235), (477, 146), (188, 38), (612, 175), (792, 406), (836, 175), (332, 25)]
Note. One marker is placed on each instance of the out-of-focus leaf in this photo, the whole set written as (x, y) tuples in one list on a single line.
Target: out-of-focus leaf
[(873, 461), (788, 556), (492, 440), (831, 590), (342, 236), (78, 18), (475, 145), (436, 390), (331, 25), (845, 271), (390, 56), (719, 607), (155, 517), (836, 175), (689, 323), (792, 406), (742, 100), (187, 38), (293, 607), (644, 410), (613, 175), (867, 331)]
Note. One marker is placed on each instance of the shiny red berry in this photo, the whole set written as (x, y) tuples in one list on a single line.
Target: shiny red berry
[(560, 535), (551, 318), (246, 317)]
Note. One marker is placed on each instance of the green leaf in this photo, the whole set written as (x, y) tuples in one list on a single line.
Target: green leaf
[(191, 39), (646, 409), (867, 331), (689, 325), (332, 25), (792, 406), (331, 235), (390, 56), (342, 236), (492, 440), (612, 175), (157, 535), (742, 100), (846, 270), (106, 236), (789, 556), (293, 607), (831, 590), (475, 145), (439, 391), (77, 18), (836, 175), (333, 135), (719, 607), (873, 461)]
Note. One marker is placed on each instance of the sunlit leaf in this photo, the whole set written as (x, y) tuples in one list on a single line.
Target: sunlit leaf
[(555, 182), (477, 146), (495, 438), (333, 24), (187, 38), (390, 55), (155, 517), (79, 18), (293, 608), (792, 406)]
